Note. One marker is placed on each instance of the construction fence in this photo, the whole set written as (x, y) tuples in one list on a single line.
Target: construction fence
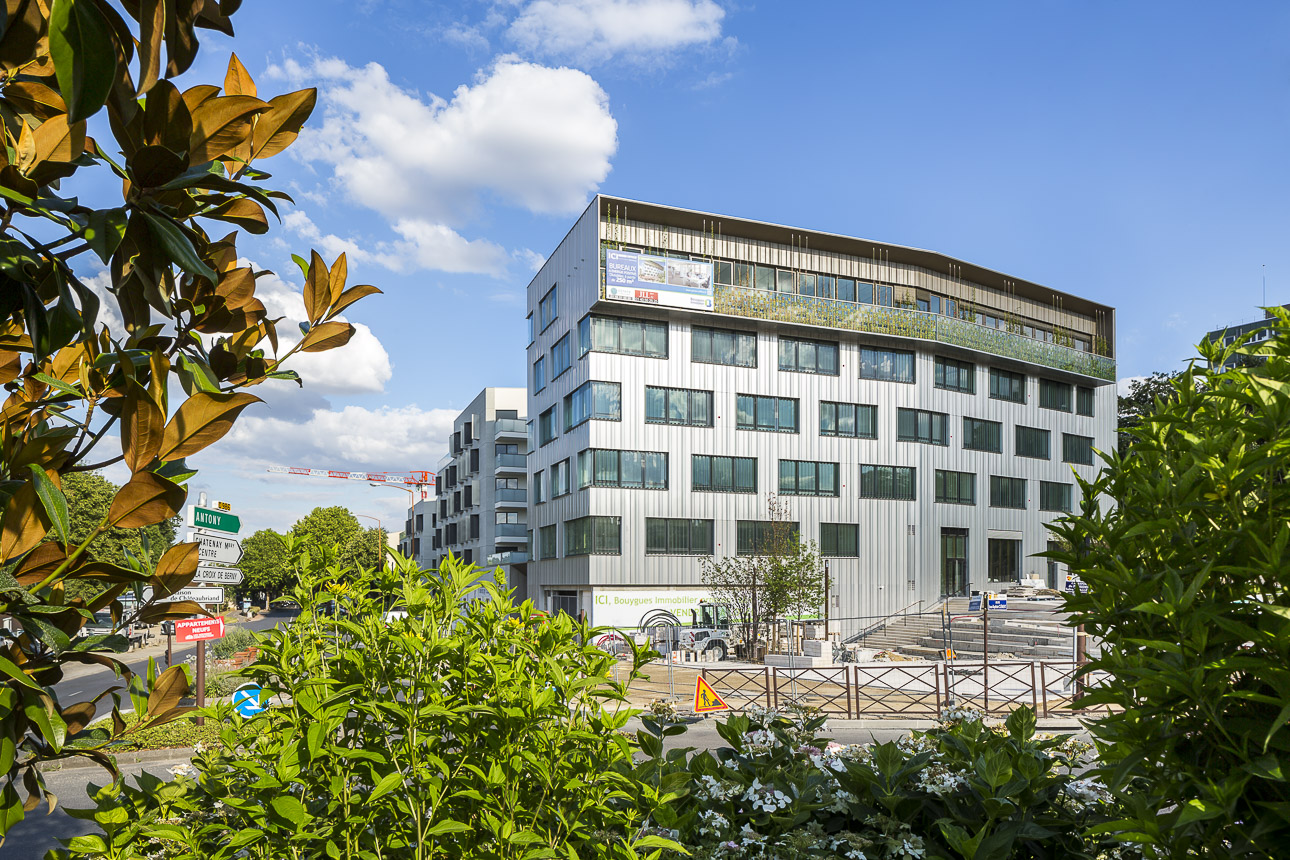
[(899, 690)]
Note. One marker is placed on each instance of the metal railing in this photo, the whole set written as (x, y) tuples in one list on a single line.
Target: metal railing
[(883, 622)]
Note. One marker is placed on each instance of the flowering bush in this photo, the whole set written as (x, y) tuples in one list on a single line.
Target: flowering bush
[(964, 789)]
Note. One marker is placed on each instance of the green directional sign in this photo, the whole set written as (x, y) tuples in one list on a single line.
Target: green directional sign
[(207, 518)]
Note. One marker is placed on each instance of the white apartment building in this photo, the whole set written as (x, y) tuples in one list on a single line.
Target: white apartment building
[(479, 511), (921, 417)]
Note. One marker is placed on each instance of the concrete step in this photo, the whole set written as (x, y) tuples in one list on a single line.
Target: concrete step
[(966, 637)]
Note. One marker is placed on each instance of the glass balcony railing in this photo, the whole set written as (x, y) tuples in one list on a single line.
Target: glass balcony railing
[(511, 461), (511, 495), (509, 426), (902, 322), (517, 557), (512, 530)]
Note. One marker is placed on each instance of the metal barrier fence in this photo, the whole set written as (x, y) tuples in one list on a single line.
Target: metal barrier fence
[(904, 690)]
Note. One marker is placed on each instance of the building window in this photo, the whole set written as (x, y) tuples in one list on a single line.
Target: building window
[(917, 425), (848, 419), (980, 435), (623, 336), (1077, 449), (508, 483), (888, 482), (546, 542), (954, 375), (559, 478), (503, 517), (539, 374), (722, 346), (1054, 496), (808, 478), (1054, 395), (761, 537), (548, 308), (723, 474), (808, 356), (506, 448), (1032, 442), (538, 488), (546, 427), (839, 540), (775, 414), (1007, 386), (1007, 492), (1004, 560), (628, 470), (593, 536), (886, 365), (682, 406), (599, 400), (529, 318), (955, 488), (678, 536), (560, 356), (1084, 401)]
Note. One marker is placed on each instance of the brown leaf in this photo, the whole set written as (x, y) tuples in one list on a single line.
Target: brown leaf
[(237, 286), (25, 523), (152, 29), (143, 426), (194, 96), (10, 366), (237, 81), (339, 271), (35, 98), (317, 291), (154, 612), (220, 125), (167, 120), (277, 129), (26, 148), (39, 563), (170, 686), (58, 141), (106, 599), (352, 295), (176, 569), (328, 335), (153, 166), (203, 419), (243, 212), (147, 499), (78, 716)]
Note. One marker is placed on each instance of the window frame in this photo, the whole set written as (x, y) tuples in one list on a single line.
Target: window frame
[(593, 547), (872, 487), (872, 359), (711, 486), (1049, 388), (962, 369), (710, 334), (778, 405), (690, 393), (586, 392), (1085, 398), (1020, 450), (1064, 490), (932, 420), (816, 346), (833, 550), (1086, 445), (997, 374), (554, 296), (941, 487), (971, 435), (816, 478), (836, 407), (558, 348), (999, 496), (670, 548)]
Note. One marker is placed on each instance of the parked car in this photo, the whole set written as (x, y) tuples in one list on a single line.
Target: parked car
[(103, 625)]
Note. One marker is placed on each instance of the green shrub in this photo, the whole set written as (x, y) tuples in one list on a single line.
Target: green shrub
[(962, 790), (221, 684), (235, 640), (471, 729), (1188, 591)]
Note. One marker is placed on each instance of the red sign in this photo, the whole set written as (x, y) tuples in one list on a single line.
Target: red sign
[(196, 629)]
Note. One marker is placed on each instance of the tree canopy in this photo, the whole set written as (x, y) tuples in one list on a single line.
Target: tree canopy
[(265, 563)]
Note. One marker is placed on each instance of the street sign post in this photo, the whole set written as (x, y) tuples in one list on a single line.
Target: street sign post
[(200, 594), (218, 575), (220, 550), (215, 520)]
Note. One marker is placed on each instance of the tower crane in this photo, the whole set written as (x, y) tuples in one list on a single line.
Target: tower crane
[(422, 480)]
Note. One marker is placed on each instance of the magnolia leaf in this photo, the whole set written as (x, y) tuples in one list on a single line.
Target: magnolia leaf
[(169, 688), (84, 53), (243, 212), (339, 271), (166, 118), (53, 500), (176, 569), (317, 292), (177, 246), (143, 426), (154, 612), (57, 140), (221, 125), (25, 523), (352, 295), (328, 335), (277, 129), (103, 231), (203, 419), (147, 499), (237, 81), (152, 30)]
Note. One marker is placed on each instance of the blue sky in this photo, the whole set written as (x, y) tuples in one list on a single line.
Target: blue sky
[(1131, 153)]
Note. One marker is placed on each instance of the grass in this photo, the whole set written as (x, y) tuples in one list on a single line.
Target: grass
[(179, 733)]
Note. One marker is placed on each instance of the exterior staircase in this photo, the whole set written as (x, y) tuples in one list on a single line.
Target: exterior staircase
[(1023, 634)]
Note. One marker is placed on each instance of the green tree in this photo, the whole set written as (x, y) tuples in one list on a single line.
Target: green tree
[(265, 564), (89, 497), (366, 549), (328, 527), (1183, 543), (1141, 401), (164, 384)]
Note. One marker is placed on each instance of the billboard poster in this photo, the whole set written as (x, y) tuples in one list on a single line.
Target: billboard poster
[(625, 607), (665, 281)]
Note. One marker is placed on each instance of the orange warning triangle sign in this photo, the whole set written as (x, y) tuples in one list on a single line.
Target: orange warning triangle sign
[(706, 699)]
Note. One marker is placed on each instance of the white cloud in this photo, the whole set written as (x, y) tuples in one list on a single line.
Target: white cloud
[(645, 32), (425, 245), (531, 259), (529, 135), (1122, 384)]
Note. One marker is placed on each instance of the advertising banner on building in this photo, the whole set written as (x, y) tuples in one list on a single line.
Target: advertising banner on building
[(665, 281), (625, 607)]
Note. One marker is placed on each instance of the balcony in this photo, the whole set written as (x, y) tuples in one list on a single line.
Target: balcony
[(511, 533), (901, 322), (519, 556), (511, 464), (510, 498), (510, 428)]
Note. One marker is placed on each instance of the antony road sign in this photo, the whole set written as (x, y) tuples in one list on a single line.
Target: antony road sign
[(217, 575), (196, 629), (201, 594), (220, 550), (209, 518)]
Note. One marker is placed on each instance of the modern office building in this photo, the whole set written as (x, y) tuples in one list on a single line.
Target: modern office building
[(479, 510), (1257, 330), (919, 417)]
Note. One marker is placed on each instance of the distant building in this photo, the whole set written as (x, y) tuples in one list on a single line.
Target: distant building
[(1260, 329), (479, 511), (919, 416)]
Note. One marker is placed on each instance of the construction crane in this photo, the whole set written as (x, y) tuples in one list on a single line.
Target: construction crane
[(422, 480)]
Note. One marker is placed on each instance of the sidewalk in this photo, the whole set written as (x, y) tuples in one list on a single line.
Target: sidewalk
[(156, 649)]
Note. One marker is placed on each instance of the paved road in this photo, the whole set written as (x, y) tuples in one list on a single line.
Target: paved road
[(86, 683)]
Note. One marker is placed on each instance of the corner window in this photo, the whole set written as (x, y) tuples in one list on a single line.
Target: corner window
[(627, 336), (598, 400), (627, 470), (593, 536)]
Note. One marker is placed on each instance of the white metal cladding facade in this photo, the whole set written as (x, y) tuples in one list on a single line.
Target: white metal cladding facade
[(876, 582)]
